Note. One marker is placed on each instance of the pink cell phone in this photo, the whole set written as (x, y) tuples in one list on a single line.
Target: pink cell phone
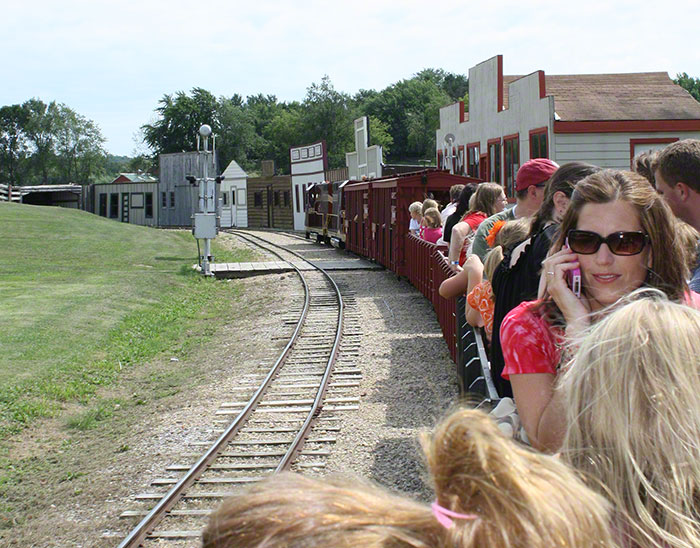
[(574, 277)]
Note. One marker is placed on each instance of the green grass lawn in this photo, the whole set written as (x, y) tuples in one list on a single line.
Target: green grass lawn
[(82, 297)]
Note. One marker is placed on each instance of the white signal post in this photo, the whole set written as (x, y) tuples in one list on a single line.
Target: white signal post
[(205, 225)]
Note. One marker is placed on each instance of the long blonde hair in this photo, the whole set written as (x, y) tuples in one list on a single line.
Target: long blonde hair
[(518, 498), (633, 410)]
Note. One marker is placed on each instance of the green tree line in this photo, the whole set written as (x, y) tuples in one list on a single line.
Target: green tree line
[(48, 144), (403, 120), (44, 143)]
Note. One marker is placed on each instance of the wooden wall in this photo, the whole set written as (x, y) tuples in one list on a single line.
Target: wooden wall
[(271, 210), (173, 170)]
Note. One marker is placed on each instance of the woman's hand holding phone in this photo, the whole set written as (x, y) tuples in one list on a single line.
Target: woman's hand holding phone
[(562, 274)]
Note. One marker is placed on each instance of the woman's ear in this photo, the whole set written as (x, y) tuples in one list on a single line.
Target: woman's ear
[(561, 203)]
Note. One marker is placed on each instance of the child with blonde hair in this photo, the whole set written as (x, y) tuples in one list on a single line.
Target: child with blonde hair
[(632, 402), (433, 225), (489, 492)]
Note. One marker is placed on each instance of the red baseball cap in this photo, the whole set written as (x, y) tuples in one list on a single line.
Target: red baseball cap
[(534, 172)]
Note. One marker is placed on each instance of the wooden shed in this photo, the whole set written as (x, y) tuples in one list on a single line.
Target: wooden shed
[(233, 196), (270, 202), (129, 198), (178, 200)]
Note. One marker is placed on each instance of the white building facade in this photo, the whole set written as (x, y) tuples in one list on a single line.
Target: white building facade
[(603, 119)]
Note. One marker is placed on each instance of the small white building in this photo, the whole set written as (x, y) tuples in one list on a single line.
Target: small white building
[(232, 196), (603, 119)]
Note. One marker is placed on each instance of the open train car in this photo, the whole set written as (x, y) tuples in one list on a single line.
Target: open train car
[(325, 212), (377, 212)]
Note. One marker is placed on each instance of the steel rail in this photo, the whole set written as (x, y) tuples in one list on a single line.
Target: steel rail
[(148, 523), (301, 436)]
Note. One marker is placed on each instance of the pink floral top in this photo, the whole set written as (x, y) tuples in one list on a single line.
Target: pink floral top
[(481, 298), (529, 343)]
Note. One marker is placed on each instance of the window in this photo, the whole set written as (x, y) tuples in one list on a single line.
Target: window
[(172, 200), (511, 146), (277, 198), (137, 200), (258, 199), (296, 194), (224, 198), (538, 143), (103, 205), (149, 205), (233, 197), (495, 161), (163, 199), (241, 196), (473, 160), (286, 198), (114, 206)]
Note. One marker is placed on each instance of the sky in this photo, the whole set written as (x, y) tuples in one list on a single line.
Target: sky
[(112, 61)]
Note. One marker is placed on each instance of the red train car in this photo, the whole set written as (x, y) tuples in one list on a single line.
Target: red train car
[(377, 212)]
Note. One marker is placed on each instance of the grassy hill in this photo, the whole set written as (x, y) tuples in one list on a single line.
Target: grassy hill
[(82, 297)]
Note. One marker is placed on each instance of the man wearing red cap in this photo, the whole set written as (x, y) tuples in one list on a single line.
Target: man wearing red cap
[(529, 194)]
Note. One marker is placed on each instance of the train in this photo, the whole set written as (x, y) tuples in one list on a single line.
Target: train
[(370, 218)]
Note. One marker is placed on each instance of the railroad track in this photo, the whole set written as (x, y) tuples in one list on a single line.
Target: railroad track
[(286, 420)]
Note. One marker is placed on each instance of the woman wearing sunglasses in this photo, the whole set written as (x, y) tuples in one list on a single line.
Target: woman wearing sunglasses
[(617, 235)]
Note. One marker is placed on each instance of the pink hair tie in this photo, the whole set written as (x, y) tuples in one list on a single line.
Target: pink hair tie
[(443, 515)]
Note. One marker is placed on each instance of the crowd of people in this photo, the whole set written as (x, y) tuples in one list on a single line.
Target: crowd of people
[(587, 292)]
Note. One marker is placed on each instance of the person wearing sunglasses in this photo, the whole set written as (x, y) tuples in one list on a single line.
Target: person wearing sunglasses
[(618, 235)]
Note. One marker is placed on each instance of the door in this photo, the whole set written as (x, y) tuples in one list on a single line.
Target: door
[(270, 215), (226, 218), (125, 207)]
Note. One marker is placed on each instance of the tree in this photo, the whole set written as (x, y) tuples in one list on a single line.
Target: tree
[(180, 118), (326, 115), (41, 130), (13, 143), (692, 85), (80, 155)]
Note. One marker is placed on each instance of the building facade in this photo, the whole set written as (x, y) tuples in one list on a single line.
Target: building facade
[(603, 119)]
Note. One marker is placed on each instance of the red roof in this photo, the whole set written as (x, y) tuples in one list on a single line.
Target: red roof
[(632, 96)]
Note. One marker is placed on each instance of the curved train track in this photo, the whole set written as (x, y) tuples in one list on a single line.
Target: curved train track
[(288, 420)]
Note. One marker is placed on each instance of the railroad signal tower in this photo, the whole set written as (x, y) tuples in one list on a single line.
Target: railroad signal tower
[(205, 220)]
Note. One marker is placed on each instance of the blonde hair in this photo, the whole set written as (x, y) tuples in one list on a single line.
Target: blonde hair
[(415, 207), (633, 398), (427, 204), (432, 217), (511, 233), (518, 498)]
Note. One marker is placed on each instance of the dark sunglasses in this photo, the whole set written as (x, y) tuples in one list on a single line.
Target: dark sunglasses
[(619, 243)]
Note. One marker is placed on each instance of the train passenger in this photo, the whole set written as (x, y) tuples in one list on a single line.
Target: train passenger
[(677, 174), (632, 399), (480, 297), (433, 225), (449, 209), (461, 209), (617, 233), (644, 165), (489, 492), (427, 204), (414, 209), (529, 193), (517, 278), (489, 199)]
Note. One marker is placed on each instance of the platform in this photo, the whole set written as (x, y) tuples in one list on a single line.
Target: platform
[(244, 270)]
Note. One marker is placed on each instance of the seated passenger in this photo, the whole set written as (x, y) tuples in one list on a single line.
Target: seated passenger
[(416, 217), (616, 232), (462, 207), (480, 298), (433, 227), (489, 493), (425, 206), (632, 397), (517, 278), (489, 199)]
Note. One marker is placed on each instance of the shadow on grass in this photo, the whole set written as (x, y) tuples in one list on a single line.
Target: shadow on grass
[(175, 258)]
